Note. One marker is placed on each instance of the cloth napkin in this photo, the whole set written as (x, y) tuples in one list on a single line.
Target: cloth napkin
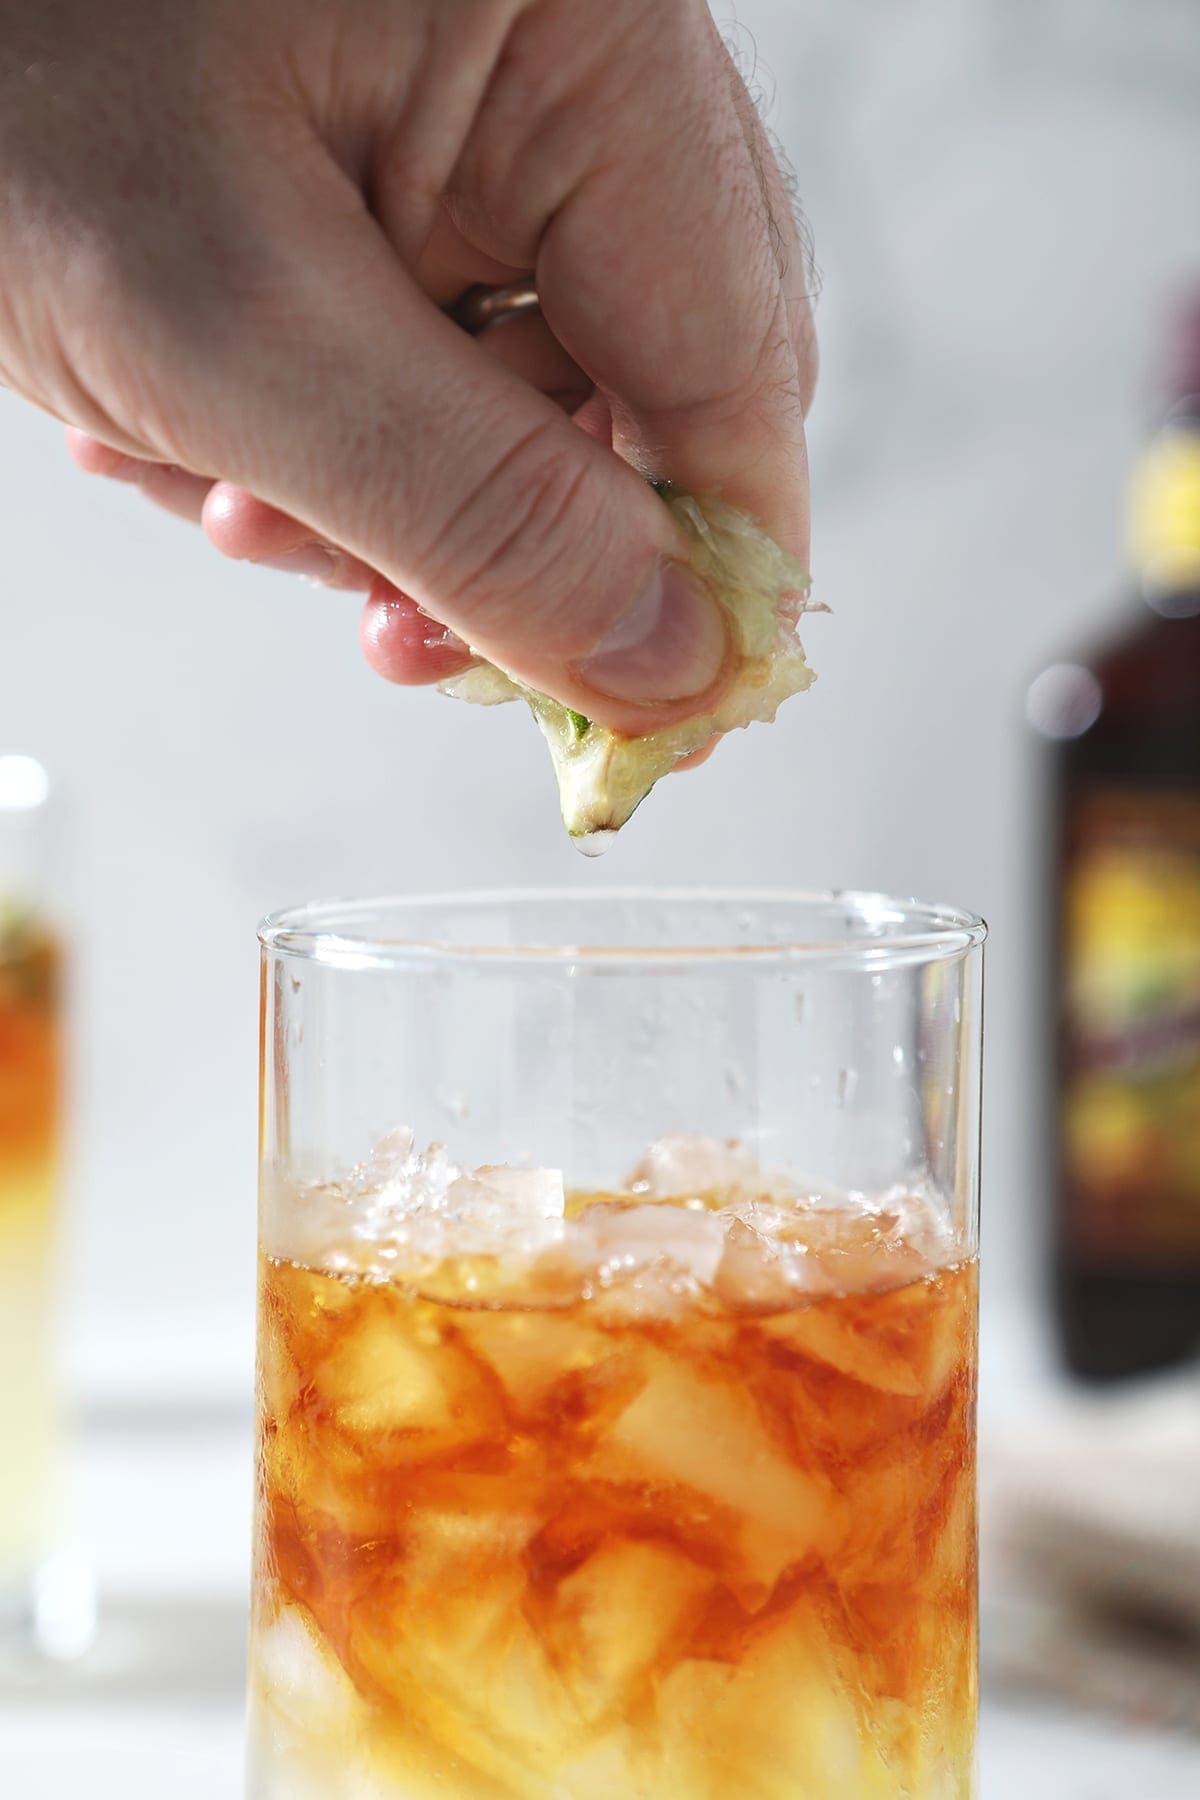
[(1091, 1552)]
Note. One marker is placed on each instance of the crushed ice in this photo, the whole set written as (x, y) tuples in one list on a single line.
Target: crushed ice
[(741, 1232), (403, 1200)]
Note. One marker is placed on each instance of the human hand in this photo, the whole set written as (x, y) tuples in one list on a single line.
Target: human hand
[(228, 231)]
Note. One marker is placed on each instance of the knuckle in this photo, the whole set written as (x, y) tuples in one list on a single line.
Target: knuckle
[(521, 532)]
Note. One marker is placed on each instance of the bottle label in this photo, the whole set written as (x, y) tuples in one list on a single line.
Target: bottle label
[(1131, 1026), (1165, 510)]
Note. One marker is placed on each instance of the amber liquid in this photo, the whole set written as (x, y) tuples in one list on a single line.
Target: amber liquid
[(720, 1549), (1125, 1305), (30, 1103)]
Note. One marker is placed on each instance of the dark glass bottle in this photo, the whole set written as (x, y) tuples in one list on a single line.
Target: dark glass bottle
[(1123, 973)]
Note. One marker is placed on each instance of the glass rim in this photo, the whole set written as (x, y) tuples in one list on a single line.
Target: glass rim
[(323, 931)]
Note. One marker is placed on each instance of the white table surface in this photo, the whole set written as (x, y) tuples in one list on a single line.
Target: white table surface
[(155, 1709)]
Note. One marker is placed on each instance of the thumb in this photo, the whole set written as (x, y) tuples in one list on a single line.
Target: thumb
[(386, 429)]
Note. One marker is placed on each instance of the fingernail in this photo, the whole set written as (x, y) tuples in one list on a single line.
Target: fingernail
[(669, 645), (313, 561)]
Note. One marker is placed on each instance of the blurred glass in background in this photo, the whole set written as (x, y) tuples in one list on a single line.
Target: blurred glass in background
[(44, 1591)]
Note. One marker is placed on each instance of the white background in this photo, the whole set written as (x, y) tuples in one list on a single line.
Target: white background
[(1003, 201)]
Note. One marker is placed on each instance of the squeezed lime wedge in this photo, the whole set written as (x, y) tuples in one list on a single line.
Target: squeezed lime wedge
[(603, 776)]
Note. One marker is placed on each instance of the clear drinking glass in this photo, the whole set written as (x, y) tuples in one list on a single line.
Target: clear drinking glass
[(31, 1080), (617, 1349)]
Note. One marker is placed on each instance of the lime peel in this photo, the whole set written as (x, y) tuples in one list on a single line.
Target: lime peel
[(603, 775)]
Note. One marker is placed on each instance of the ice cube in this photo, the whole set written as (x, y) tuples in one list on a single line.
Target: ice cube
[(625, 1238), (850, 1346), (391, 1160), (344, 1226), (463, 1574), (850, 1244), (300, 1690), (680, 1166), (783, 1723), (379, 1378), (605, 1766), (407, 1207), (412, 1188), (757, 1273), (707, 1436), (279, 1382), (530, 1353), (290, 1668), (468, 1670), (911, 1340), (617, 1616), (644, 1261), (496, 1194), (395, 1147)]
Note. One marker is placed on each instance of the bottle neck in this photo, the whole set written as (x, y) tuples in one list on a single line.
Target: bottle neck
[(1164, 515)]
